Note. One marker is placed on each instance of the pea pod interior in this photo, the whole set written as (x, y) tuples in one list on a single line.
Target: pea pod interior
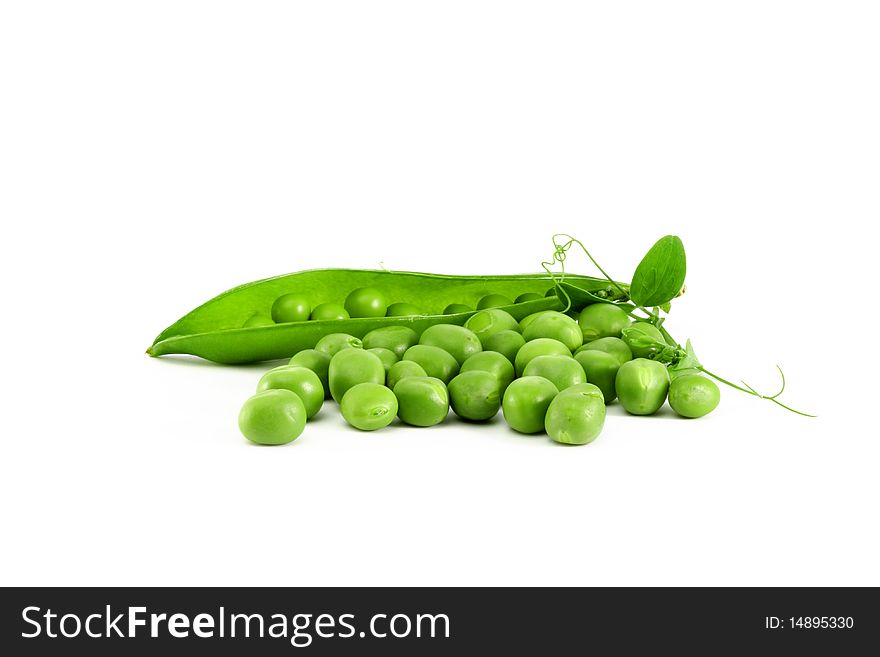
[(214, 330)]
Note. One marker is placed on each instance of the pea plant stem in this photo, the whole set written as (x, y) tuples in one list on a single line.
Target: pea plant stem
[(653, 316)]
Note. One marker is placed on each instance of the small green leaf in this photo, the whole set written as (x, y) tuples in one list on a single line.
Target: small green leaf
[(689, 364), (660, 275)]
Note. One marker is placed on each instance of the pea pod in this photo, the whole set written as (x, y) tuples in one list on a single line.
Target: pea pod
[(215, 330)]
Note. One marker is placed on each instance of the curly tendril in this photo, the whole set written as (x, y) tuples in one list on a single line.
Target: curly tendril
[(671, 353), (749, 390)]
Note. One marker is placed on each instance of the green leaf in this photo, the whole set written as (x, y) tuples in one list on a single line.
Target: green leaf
[(689, 364), (660, 275)]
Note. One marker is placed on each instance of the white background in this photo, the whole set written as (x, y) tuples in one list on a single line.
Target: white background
[(155, 154)]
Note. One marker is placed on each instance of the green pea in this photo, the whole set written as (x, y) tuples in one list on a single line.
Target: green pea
[(333, 343), (602, 320), (601, 369), (641, 338), (329, 311), (318, 362), (455, 308), (301, 381), (493, 301), (350, 367), (290, 308), (561, 371), (401, 309), (403, 370), (272, 417), (557, 326), (423, 401), (525, 403), (641, 385), (693, 395), (436, 362), (506, 343), (475, 395), (575, 417), (368, 406), (614, 346), (528, 296), (487, 323), (387, 357), (535, 348), (456, 340), (366, 302), (581, 388), (494, 363), (526, 321), (395, 338), (258, 319)]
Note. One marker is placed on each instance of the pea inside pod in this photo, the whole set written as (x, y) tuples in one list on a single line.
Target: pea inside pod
[(493, 301), (402, 309), (329, 312), (258, 319), (455, 308), (366, 302), (290, 308)]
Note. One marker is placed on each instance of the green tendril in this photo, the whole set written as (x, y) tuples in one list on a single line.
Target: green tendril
[(749, 390), (558, 258), (671, 353)]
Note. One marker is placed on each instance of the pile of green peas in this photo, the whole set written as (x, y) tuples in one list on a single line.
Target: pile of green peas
[(550, 372)]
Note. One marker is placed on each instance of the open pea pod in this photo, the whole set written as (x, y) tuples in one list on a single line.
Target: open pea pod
[(214, 330), (581, 296)]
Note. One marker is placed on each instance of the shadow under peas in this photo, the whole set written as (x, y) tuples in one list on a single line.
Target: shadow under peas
[(495, 419), (253, 445), (615, 409)]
